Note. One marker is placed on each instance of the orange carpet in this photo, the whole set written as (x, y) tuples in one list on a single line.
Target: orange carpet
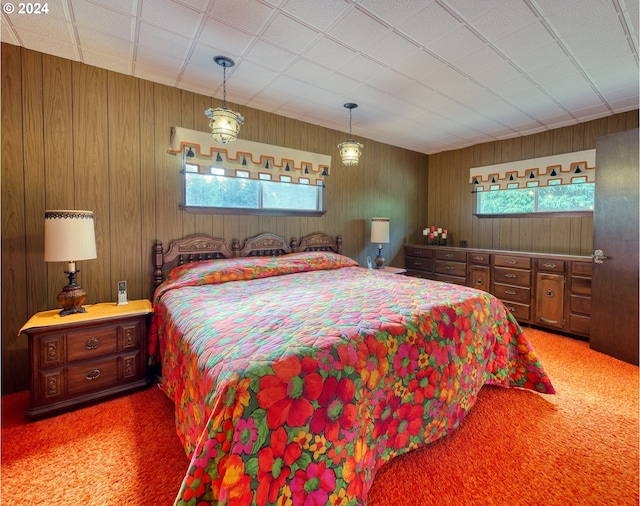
[(515, 447)]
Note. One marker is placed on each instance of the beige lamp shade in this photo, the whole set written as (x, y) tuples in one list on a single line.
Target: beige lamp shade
[(69, 236), (380, 230)]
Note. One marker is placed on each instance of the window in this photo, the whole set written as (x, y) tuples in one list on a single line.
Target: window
[(554, 198), (240, 193)]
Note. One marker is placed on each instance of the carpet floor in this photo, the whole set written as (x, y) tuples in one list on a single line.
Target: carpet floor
[(515, 447)]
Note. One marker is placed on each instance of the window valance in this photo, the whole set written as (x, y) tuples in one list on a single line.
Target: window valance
[(545, 171), (250, 159)]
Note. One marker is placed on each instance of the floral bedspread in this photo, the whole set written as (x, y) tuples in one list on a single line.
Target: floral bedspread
[(295, 378)]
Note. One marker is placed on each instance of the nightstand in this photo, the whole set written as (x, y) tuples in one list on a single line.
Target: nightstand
[(85, 357)]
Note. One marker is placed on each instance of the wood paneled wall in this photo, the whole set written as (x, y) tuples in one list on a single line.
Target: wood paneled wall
[(451, 204), (79, 137)]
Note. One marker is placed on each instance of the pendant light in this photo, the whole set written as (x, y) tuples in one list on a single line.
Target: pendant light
[(224, 123), (350, 150)]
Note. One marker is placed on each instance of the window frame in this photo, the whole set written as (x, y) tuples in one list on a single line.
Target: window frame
[(258, 211)]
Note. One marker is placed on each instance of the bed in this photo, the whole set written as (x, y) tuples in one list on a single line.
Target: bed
[(296, 373)]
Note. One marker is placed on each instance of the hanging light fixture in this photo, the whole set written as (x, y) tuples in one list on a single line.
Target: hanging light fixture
[(350, 150), (224, 124)]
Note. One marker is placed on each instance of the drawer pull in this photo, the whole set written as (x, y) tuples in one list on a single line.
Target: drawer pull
[(417, 263), (448, 268), (509, 275), (549, 292), (479, 282), (92, 343), (448, 255), (511, 308), (550, 266), (511, 261), (510, 292), (546, 320), (478, 258), (92, 374)]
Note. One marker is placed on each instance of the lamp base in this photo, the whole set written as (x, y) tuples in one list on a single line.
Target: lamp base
[(72, 297), (379, 259)]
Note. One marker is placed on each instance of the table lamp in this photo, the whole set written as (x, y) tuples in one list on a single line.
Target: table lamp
[(380, 235), (69, 236)]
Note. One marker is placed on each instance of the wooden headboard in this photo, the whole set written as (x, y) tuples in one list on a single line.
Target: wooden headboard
[(200, 247)]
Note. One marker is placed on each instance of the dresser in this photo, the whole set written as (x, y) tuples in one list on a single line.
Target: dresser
[(550, 291), (86, 357)]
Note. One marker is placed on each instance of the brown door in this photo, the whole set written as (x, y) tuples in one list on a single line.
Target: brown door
[(614, 308)]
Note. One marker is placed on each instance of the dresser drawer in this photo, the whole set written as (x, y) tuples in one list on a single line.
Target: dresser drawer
[(548, 265), (581, 286), (512, 276), (454, 256), (581, 268), (456, 280), (579, 324), (478, 258), (515, 262), (451, 268), (418, 264), (579, 304), (512, 293), (412, 251), (521, 312), (92, 342)]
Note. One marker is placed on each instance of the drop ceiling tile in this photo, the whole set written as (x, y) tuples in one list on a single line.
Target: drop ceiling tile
[(112, 22), (171, 16), (123, 6), (430, 25), (420, 65), (389, 81), (542, 57), (524, 41), (394, 12), (249, 72), (338, 83), (228, 40), (358, 30), (108, 61), (500, 77), (581, 16), (272, 57), (152, 39), (393, 48), (285, 32), (320, 15), (473, 9), (479, 61), (250, 17), (456, 44), (361, 68), (98, 42), (307, 71), (330, 53), (506, 18)]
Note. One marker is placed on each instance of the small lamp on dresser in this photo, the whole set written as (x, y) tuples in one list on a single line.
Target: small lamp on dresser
[(380, 235), (69, 236)]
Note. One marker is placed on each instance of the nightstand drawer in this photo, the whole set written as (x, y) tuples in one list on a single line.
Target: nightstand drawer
[(91, 376), (95, 342)]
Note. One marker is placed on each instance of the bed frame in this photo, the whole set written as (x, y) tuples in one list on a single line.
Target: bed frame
[(195, 248)]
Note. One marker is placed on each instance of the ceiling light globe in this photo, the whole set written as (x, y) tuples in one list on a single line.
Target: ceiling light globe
[(350, 152), (224, 124)]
